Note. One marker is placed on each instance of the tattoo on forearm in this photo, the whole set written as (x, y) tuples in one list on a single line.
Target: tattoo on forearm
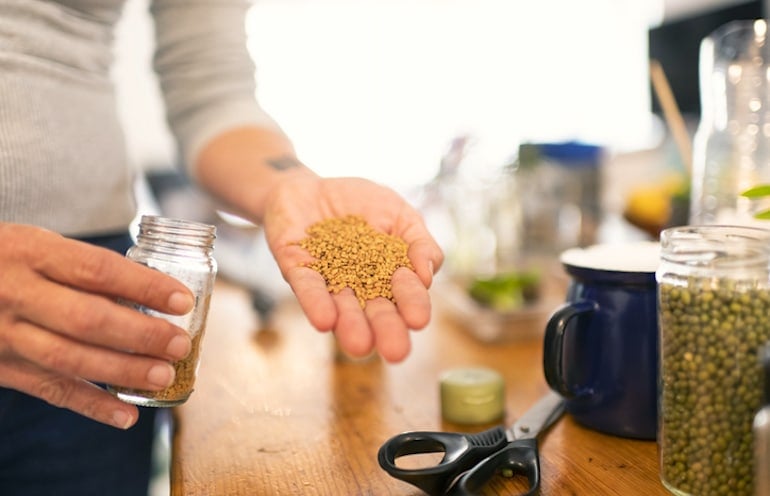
[(283, 163)]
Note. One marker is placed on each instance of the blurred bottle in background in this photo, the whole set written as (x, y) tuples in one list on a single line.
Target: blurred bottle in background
[(560, 190), (495, 211), (731, 148)]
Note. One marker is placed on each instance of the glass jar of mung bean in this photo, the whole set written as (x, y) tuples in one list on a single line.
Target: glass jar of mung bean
[(714, 310)]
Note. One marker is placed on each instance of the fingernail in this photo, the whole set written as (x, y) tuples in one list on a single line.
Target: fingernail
[(161, 375), (122, 420), (178, 347), (181, 302)]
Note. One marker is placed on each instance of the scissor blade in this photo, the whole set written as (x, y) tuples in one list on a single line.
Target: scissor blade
[(539, 417)]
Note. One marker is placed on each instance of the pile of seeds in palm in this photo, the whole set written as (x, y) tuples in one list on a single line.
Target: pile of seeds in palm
[(350, 253)]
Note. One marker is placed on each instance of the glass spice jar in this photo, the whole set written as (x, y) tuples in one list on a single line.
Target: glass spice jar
[(184, 250), (714, 315)]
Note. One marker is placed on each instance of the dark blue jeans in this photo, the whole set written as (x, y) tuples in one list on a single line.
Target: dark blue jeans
[(49, 451)]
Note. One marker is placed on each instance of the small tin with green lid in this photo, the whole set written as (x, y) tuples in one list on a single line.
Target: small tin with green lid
[(473, 395)]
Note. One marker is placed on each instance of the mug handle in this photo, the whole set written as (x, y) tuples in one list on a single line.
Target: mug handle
[(553, 345)]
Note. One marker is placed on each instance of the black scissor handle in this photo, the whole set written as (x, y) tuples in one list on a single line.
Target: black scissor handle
[(520, 458), (461, 452)]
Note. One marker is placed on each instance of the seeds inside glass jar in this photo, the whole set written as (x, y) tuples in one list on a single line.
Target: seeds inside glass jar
[(711, 332)]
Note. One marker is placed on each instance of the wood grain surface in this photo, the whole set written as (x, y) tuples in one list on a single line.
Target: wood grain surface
[(276, 412)]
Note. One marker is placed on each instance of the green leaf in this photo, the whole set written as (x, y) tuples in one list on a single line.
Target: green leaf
[(506, 291), (763, 215), (757, 191)]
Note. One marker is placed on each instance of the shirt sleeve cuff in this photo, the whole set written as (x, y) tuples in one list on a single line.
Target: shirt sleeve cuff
[(204, 127)]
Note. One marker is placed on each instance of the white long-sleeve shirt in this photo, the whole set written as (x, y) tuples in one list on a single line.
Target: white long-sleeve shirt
[(63, 162)]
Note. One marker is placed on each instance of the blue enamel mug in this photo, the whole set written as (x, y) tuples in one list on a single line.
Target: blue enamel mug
[(601, 346)]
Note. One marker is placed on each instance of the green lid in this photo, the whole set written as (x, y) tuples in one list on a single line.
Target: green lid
[(474, 395)]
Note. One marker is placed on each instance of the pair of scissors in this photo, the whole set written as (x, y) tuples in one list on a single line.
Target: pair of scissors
[(470, 461)]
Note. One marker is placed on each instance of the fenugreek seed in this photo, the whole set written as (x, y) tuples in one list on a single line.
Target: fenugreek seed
[(350, 253)]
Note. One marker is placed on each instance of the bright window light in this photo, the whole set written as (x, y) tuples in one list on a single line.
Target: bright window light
[(380, 87)]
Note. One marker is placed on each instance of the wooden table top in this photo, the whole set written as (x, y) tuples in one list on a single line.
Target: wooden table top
[(276, 413)]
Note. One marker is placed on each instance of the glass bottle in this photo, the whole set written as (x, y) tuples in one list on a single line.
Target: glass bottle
[(560, 190), (714, 303), (731, 147), (183, 250)]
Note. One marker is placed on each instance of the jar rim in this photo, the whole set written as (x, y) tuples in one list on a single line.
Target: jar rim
[(174, 223), (726, 247), (714, 232)]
